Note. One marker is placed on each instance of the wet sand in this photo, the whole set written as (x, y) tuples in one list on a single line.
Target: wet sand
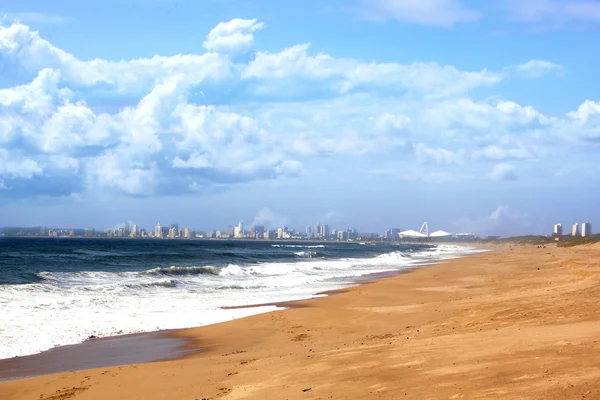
[(96, 353), (520, 322)]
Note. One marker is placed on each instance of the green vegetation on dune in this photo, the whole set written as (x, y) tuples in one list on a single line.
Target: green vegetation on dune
[(578, 241)]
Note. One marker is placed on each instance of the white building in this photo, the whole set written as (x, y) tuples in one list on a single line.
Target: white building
[(238, 231), (558, 230), (158, 231), (575, 230), (586, 229)]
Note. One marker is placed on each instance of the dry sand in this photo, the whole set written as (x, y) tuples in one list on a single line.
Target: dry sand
[(518, 322)]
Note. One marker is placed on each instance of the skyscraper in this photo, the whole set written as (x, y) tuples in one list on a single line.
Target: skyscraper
[(575, 230), (134, 231), (586, 229), (238, 231), (309, 233), (158, 232), (558, 230)]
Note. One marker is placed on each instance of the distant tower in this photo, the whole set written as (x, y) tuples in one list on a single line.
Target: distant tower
[(558, 230), (424, 229), (575, 230), (158, 232), (586, 229)]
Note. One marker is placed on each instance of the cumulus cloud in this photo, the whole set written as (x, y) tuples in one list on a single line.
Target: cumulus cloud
[(437, 13), (290, 108), (234, 36)]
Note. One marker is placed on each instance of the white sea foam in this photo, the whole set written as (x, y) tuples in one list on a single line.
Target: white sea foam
[(316, 246), (68, 307)]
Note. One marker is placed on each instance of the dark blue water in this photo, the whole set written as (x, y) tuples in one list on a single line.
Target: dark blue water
[(57, 292), (22, 259)]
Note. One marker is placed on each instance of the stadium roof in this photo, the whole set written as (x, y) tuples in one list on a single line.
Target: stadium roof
[(440, 234), (412, 234)]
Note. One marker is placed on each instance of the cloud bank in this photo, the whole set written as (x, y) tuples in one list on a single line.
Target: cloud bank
[(187, 123)]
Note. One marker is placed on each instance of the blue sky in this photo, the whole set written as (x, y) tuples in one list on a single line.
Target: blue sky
[(473, 115)]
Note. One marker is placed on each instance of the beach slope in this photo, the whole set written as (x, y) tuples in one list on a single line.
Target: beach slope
[(518, 322)]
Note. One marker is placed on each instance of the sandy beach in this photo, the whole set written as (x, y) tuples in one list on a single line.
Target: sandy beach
[(517, 322)]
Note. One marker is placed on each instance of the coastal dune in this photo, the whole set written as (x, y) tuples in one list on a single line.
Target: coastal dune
[(516, 322)]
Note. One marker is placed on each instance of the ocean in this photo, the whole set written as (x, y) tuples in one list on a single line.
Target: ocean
[(56, 292)]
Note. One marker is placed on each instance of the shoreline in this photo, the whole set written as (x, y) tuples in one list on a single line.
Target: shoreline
[(171, 344), (519, 322), (154, 346), (113, 351)]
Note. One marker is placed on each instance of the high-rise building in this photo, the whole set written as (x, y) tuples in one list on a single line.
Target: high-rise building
[(586, 229), (326, 231), (158, 232), (309, 232), (256, 231), (126, 229), (134, 231), (318, 231), (391, 233), (558, 230), (575, 230), (186, 233)]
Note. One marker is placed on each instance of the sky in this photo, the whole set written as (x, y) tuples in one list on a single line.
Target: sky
[(475, 116)]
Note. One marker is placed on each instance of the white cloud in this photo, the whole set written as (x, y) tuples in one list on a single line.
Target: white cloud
[(536, 69), (14, 166), (439, 156), (346, 75), (552, 14), (234, 36), (438, 13), (167, 140), (503, 172), (25, 52), (498, 153)]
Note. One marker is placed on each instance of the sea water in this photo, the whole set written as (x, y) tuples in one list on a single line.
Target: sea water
[(56, 292)]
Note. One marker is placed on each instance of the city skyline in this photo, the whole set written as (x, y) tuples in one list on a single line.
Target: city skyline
[(475, 119)]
